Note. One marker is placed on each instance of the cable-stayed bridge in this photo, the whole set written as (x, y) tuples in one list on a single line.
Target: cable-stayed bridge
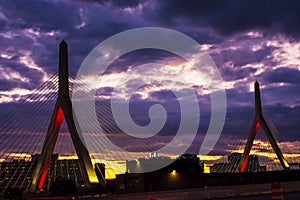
[(40, 141)]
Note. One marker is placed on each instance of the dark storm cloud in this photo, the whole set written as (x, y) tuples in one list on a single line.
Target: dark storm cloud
[(41, 15), (163, 95), (7, 85), (236, 74), (286, 94), (282, 75), (238, 96), (240, 63), (239, 114), (38, 27), (117, 3), (139, 110), (205, 37), (231, 16), (84, 25), (105, 91), (140, 57), (24, 116), (287, 129), (242, 56), (33, 77)]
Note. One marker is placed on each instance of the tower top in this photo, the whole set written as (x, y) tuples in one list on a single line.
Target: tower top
[(260, 121), (63, 42), (63, 87), (257, 99)]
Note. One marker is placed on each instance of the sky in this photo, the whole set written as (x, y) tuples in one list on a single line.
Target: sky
[(248, 40)]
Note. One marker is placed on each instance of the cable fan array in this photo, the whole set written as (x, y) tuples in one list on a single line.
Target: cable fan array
[(262, 156), (23, 130)]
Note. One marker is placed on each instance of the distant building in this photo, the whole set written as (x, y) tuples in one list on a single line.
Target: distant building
[(68, 169), (100, 171), (187, 172), (185, 162), (147, 164), (19, 173), (180, 172), (294, 166), (233, 163)]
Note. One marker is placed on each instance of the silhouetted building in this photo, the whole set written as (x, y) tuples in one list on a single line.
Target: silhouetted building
[(294, 166), (233, 164), (68, 169), (147, 164), (185, 162), (19, 173), (182, 172), (100, 171)]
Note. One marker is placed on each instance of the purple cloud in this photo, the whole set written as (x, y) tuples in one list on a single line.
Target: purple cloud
[(244, 38)]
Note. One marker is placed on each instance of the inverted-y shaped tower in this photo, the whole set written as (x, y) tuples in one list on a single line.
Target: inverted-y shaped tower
[(63, 109), (260, 121)]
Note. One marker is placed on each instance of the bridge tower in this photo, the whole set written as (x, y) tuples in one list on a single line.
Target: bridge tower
[(63, 109), (257, 122)]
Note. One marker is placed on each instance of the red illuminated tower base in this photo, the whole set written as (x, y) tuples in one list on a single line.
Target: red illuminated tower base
[(260, 121), (63, 109)]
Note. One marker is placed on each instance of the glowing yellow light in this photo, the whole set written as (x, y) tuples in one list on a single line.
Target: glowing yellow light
[(173, 175), (68, 157), (92, 176), (206, 168), (93, 179)]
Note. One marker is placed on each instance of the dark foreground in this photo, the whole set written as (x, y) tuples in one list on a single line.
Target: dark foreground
[(287, 196), (291, 190)]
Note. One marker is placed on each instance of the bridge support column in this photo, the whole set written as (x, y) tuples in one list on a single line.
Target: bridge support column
[(63, 109), (260, 121)]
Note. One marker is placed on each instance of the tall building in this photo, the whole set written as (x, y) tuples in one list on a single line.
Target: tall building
[(19, 173), (67, 169), (100, 171)]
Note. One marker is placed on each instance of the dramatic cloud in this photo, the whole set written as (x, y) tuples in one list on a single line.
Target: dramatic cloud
[(248, 40), (229, 17)]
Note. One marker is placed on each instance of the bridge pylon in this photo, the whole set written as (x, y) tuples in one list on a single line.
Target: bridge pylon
[(258, 121), (63, 110)]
